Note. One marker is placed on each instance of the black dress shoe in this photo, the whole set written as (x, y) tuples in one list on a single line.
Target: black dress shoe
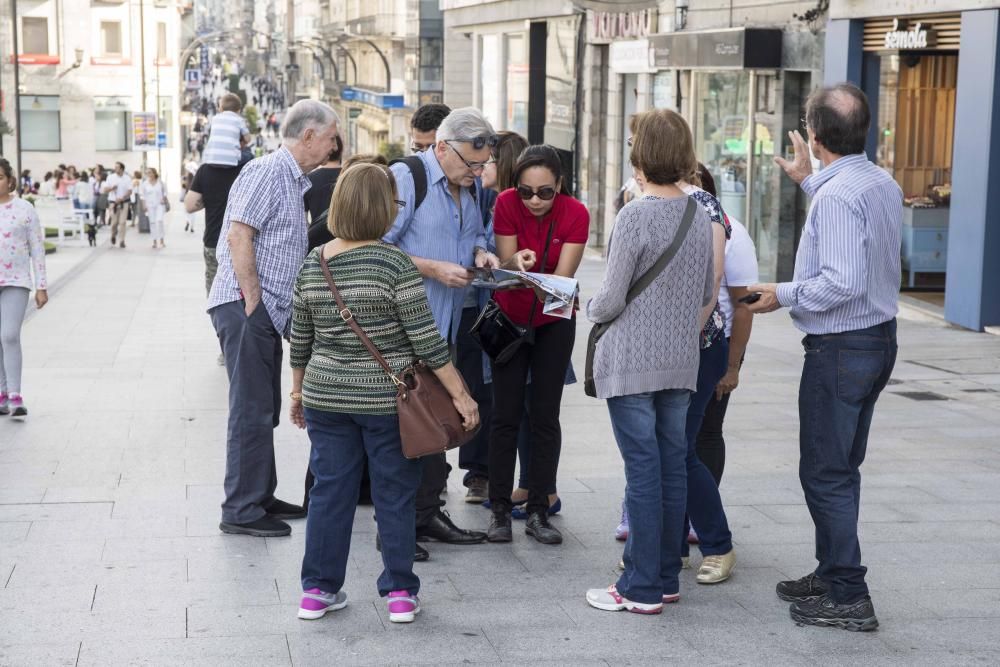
[(538, 527), (499, 529), (442, 529), (266, 526), (279, 509), (419, 556)]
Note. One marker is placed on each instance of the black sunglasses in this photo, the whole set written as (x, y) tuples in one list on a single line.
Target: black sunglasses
[(545, 193), (490, 140)]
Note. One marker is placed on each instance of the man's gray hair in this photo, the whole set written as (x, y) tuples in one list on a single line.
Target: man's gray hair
[(305, 115), (464, 124)]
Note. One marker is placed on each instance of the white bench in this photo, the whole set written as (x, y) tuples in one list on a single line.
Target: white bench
[(58, 212)]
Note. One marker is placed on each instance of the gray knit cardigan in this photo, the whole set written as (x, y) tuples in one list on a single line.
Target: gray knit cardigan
[(653, 343)]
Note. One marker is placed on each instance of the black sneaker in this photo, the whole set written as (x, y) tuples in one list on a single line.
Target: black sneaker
[(805, 589), (478, 490), (279, 509), (499, 529), (538, 526), (856, 617), (266, 526)]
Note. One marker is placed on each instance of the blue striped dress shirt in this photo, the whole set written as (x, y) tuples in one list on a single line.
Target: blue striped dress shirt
[(847, 268), (438, 230)]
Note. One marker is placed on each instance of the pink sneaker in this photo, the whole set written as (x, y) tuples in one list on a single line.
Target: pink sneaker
[(402, 606), (670, 599), (4, 403), (315, 603), (609, 599), (17, 410)]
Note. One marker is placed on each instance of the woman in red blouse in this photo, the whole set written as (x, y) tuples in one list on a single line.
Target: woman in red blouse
[(538, 209)]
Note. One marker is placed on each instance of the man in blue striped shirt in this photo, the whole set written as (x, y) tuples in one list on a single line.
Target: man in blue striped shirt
[(844, 297)]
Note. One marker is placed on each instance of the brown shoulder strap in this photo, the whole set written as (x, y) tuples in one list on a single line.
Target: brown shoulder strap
[(348, 317)]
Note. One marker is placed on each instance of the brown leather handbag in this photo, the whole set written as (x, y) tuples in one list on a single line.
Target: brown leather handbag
[(428, 420)]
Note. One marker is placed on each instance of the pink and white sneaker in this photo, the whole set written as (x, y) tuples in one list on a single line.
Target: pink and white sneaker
[(4, 403), (17, 410), (611, 600), (670, 599), (402, 606), (315, 603)]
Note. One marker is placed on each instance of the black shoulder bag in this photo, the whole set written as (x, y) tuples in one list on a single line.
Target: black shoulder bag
[(589, 386), (499, 337)]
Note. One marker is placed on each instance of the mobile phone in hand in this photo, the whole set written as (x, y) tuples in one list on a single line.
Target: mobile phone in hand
[(753, 297)]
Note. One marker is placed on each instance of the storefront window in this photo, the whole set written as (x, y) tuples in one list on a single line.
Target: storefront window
[(111, 123), (722, 134), (517, 83), (764, 184), (663, 91), (40, 123), (560, 83), (489, 78), (888, 86)]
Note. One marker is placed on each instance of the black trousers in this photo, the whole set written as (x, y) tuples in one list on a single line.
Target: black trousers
[(547, 361), (432, 482), (474, 457), (711, 445)]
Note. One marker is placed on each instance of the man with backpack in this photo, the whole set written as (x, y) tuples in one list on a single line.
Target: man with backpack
[(440, 226)]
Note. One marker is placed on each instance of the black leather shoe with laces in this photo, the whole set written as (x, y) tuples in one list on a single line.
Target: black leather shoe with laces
[(807, 588), (419, 555), (499, 529), (442, 529), (856, 617), (538, 526)]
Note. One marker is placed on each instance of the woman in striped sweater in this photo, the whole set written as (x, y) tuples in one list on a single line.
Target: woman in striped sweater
[(347, 401)]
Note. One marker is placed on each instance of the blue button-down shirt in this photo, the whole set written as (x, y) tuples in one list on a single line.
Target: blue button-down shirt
[(267, 195), (847, 267), (438, 230)]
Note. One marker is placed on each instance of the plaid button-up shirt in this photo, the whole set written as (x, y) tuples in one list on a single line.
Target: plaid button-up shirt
[(267, 195)]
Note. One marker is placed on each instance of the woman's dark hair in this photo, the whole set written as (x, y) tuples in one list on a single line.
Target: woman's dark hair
[(509, 147), (48, 175), (429, 116), (839, 118), (8, 171), (84, 176), (707, 181), (338, 150), (541, 155)]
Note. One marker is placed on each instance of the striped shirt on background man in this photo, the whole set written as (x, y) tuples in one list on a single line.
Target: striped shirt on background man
[(267, 195), (223, 147), (847, 269)]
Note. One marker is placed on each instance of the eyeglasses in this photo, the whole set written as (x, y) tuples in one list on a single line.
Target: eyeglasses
[(473, 166), (419, 148), (400, 203), (628, 142), (545, 193)]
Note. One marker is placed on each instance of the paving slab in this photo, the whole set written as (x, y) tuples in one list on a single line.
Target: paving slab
[(114, 518)]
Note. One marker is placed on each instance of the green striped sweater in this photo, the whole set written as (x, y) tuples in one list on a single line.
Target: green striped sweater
[(384, 290)]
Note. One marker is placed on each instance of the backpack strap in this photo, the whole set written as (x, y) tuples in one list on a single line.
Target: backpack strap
[(419, 173)]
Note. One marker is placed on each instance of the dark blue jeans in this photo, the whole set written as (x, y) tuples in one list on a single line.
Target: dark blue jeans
[(842, 377), (649, 429), (339, 445), (704, 504)]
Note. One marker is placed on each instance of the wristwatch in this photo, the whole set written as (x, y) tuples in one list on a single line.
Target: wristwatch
[(295, 395)]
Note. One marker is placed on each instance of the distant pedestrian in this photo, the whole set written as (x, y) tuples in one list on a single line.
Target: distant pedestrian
[(154, 200), (118, 187), (47, 188), (844, 297), (348, 403), (228, 133), (265, 241), (22, 266)]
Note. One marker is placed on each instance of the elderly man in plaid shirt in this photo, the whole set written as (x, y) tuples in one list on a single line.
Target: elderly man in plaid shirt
[(263, 242)]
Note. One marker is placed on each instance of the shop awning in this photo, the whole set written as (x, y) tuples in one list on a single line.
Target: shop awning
[(374, 122), (616, 5), (735, 48)]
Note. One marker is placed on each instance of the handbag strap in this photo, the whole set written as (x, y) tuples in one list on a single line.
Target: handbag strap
[(652, 272), (545, 259), (348, 317)]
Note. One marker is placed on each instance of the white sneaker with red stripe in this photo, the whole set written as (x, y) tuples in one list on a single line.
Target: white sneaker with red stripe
[(610, 599)]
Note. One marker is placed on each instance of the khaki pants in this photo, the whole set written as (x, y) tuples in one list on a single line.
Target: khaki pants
[(118, 219)]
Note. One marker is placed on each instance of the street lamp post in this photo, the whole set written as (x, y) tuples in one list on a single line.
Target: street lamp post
[(17, 87)]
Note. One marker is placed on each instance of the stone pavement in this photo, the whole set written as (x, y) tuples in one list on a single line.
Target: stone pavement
[(109, 503)]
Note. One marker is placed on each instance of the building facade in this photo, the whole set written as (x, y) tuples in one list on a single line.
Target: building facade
[(931, 69), (87, 71)]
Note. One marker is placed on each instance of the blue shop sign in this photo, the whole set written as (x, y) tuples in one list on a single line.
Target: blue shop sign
[(375, 99)]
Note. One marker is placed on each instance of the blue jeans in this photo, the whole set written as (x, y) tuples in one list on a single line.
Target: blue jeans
[(842, 377), (339, 444), (649, 429), (704, 504)]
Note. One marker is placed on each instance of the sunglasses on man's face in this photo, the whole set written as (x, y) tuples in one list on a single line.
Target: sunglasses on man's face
[(490, 140), (545, 193)]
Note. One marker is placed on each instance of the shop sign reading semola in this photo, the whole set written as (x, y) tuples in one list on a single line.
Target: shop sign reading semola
[(903, 38)]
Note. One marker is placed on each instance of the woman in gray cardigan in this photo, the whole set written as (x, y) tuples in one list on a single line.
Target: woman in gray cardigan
[(646, 364)]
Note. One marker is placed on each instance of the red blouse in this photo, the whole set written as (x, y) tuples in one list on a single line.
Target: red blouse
[(512, 218)]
